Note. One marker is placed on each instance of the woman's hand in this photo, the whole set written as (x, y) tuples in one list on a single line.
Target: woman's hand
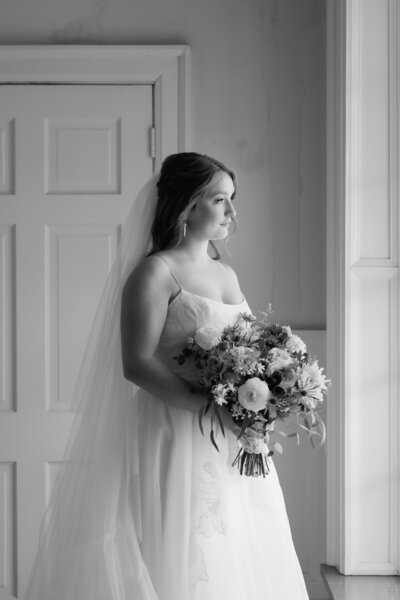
[(257, 430)]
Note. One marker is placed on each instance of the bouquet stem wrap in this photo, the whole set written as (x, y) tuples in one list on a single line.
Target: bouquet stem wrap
[(252, 457)]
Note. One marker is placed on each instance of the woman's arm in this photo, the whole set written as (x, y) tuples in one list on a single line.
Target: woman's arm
[(143, 313)]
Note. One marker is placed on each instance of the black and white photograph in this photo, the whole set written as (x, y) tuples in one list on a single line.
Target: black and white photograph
[(199, 300)]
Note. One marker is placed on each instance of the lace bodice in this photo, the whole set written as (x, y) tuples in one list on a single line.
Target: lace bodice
[(186, 313)]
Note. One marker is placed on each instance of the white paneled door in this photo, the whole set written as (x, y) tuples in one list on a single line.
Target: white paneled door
[(72, 157)]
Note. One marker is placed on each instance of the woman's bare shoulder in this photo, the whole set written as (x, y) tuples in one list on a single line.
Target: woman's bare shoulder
[(150, 274)]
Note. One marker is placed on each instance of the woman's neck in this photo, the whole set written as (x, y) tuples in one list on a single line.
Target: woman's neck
[(194, 249)]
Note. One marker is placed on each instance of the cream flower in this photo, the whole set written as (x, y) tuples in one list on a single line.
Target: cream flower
[(295, 344), (312, 383), (247, 361), (237, 411), (207, 337), (315, 374), (244, 327), (278, 359), (219, 392), (254, 394)]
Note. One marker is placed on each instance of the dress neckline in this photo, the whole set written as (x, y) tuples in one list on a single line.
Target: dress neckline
[(183, 291)]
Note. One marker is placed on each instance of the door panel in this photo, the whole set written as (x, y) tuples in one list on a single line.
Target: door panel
[(72, 157)]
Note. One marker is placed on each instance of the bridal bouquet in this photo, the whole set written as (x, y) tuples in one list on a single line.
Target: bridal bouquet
[(260, 372)]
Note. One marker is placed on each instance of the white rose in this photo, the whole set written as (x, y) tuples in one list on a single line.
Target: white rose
[(278, 359), (207, 337), (254, 394)]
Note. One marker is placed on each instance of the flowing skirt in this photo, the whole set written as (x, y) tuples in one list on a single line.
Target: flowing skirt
[(207, 532)]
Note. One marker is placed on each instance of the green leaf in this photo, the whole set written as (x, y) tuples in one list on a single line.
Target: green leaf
[(200, 416), (245, 424), (323, 432), (217, 412), (212, 438), (278, 448)]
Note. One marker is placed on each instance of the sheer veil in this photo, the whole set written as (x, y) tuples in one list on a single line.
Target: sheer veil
[(91, 531)]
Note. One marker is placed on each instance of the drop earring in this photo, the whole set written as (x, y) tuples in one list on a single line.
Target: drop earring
[(184, 229)]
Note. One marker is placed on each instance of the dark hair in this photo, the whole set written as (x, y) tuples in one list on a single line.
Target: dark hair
[(183, 176)]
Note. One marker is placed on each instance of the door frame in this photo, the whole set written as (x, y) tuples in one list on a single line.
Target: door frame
[(164, 67)]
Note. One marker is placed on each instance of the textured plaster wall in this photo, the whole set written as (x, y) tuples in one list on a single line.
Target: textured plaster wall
[(258, 80)]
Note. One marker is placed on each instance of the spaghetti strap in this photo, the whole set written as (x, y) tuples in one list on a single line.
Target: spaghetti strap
[(170, 270)]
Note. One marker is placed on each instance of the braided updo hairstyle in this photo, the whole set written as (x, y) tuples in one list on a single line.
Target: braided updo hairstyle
[(183, 177)]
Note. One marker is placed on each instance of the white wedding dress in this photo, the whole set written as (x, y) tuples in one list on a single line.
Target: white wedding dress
[(207, 532), (146, 508)]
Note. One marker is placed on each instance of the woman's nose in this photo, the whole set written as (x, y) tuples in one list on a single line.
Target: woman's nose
[(229, 209)]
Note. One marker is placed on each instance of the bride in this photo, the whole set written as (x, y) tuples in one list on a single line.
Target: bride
[(146, 508)]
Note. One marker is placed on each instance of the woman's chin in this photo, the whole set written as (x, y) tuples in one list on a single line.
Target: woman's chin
[(224, 231), (219, 237)]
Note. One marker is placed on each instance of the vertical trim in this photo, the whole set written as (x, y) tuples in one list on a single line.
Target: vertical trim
[(152, 142), (349, 321), (157, 116), (184, 103), (394, 133), (394, 83), (336, 140)]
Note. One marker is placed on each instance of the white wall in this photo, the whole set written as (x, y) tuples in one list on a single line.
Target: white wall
[(257, 103)]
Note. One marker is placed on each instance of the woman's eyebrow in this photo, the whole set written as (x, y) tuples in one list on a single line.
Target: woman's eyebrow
[(221, 193)]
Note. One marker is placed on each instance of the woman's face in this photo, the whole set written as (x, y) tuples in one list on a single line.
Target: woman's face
[(212, 214)]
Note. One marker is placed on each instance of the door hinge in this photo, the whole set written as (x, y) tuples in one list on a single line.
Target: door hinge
[(152, 142)]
